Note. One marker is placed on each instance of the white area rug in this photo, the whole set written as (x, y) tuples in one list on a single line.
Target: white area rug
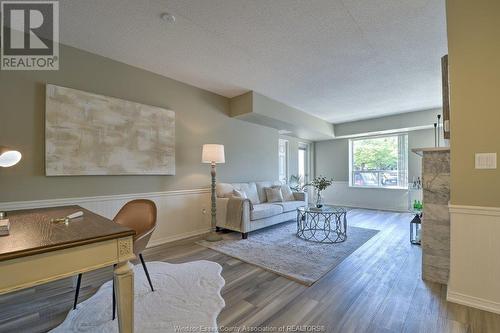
[(279, 250), (186, 299)]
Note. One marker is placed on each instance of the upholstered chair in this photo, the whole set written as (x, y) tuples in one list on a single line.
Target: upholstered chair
[(139, 215)]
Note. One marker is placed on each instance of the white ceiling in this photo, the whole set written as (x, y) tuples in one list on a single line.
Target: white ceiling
[(340, 60)]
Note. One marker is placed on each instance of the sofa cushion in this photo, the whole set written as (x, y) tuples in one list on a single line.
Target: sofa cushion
[(273, 194), (288, 206), (224, 190), (261, 188), (262, 211), (287, 193), (250, 190)]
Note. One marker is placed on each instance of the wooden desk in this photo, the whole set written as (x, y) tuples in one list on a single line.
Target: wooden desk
[(39, 251)]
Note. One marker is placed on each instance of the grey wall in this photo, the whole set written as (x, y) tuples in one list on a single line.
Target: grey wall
[(293, 151), (262, 110), (332, 157), (201, 117)]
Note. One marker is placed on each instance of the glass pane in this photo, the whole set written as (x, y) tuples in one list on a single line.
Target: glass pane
[(380, 162), (302, 165), (283, 160)]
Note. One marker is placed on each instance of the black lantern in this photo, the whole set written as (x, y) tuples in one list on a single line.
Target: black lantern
[(416, 229)]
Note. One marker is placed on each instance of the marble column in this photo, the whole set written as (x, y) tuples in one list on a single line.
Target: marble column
[(436, 216)]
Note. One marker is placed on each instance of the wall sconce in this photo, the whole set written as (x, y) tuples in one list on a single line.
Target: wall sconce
[(9, 157)]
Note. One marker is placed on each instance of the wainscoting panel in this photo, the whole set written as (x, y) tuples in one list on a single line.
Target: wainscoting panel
[(181, 214), (373, 198), (475, 250)]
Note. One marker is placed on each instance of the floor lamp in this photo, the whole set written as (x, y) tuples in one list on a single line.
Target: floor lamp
[(213, 154)]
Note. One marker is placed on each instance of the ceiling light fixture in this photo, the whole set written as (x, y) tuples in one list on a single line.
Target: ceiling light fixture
[(167, 17)]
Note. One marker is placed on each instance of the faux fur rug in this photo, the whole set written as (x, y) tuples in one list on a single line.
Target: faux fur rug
[(186, 299), (279, 250)]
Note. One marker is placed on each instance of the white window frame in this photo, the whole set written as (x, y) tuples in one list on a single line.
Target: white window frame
[(403, 147), (286, 158), (309, 167)]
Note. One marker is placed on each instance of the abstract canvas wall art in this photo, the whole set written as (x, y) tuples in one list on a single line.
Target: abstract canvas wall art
[(90, 134)]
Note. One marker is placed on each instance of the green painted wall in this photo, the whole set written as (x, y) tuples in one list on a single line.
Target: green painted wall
[(474, 67)]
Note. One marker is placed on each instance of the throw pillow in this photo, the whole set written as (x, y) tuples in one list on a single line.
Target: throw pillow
[(239, 194), (251, 191), (287, 193), (274, 194)]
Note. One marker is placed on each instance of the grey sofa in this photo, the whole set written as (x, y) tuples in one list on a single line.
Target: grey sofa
[(248, 214)]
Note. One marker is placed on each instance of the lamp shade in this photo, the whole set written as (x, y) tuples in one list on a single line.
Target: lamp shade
[(213, 153), (9, 157)]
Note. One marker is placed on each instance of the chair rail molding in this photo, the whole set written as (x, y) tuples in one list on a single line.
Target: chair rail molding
[(474, 210), (474, 265), (181, 213)]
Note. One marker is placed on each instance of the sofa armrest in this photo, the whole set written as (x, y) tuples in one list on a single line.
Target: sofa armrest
[(229, 218), (300, 196)]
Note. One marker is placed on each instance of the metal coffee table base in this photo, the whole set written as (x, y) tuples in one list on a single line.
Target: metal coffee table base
[(322, 226)]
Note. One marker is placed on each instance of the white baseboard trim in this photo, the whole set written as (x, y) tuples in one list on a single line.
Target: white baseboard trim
[(178, 237), (472, 301), (17, 205)]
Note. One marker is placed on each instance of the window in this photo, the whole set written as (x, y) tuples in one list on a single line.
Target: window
[(283, 160), (303, 167), (379, 161)]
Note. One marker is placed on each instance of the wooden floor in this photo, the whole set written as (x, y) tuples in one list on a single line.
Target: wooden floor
[(376, 289)]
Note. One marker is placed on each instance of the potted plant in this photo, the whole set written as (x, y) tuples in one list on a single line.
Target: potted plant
[(320, 184)]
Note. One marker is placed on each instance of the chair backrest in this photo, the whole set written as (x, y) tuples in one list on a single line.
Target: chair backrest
[(139, 215)]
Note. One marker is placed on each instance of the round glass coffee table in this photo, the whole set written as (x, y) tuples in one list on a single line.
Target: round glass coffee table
[(327, 224)]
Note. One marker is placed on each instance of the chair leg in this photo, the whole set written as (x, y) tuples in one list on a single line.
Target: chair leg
[(78, 282), (146, 271), (114, 298)]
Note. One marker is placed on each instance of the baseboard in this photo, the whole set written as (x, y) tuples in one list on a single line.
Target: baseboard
[(472, 301), (178, 237)]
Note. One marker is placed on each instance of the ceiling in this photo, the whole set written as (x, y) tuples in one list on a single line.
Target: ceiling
[(339, 60)]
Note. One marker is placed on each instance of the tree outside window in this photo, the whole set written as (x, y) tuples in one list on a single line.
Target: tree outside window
[(379, 161)]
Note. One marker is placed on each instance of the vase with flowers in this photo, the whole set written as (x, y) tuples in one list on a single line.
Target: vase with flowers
[(320, 184)]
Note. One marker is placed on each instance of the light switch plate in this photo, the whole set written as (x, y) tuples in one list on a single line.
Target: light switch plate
[(486, 160)]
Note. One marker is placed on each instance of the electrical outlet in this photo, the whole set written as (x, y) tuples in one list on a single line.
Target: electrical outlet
[(486, 161)]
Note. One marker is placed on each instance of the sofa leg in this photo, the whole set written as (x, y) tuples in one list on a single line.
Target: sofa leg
[(244, 235)]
